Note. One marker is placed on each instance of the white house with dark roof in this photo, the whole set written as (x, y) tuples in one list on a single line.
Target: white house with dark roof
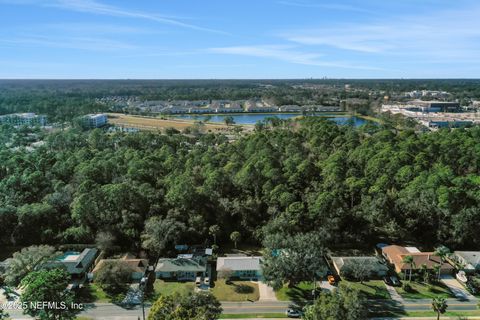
[(242, 267)]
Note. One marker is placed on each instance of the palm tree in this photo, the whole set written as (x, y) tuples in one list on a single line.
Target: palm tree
[(235, 237), (426, 275), (439, 305), (214, 230), (409, 260), (443, 253)]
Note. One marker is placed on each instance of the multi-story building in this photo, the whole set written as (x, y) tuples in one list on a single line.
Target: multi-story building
[(24, 119), (95, 120)]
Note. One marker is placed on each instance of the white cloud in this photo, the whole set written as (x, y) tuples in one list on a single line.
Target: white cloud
[(81, 43), (441, 34), (327, 6), (95, 7)]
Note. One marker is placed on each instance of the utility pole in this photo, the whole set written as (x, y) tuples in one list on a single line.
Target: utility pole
[(142, 287)]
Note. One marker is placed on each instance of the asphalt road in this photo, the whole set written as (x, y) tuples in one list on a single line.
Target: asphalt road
[(113, 312)]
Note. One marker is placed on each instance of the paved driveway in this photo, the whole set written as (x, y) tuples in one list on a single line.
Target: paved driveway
[(457, 288), (394, 294), (266, 292)]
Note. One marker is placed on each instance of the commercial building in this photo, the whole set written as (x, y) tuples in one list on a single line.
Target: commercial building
[(24, 119), (94, 120), (434, 106)]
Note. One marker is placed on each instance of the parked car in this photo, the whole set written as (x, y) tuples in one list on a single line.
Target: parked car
[(331, 279), (395, 281), (207, 281), (387, 281), (198, 281), (293, 313)]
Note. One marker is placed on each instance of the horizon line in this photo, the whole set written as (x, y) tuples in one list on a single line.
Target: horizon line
[(227, 79)]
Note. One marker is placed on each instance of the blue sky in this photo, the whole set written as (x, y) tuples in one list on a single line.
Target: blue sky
[(172, 39)]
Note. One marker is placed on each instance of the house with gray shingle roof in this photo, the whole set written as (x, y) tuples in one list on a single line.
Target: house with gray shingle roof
[(77, 264), (181, 268), (241, 267)]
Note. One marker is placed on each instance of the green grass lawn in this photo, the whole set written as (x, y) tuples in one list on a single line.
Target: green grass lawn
[(300, 292), (161, 287), (423, 291), (373, 289), (236, 291), (93, 293)]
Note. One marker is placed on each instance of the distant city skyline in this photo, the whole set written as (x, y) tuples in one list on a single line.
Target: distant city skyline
[(215, 39)]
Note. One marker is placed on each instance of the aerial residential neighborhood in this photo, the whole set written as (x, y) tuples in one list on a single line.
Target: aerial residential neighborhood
[(206, 160), (397, 273)]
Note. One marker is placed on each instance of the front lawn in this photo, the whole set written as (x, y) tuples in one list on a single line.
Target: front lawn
[(425, 291), (92, 293), (235, 291), (167, 288), (298, 293), (373, 289)]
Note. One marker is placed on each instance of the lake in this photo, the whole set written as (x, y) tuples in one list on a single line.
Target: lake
[(252, 118)]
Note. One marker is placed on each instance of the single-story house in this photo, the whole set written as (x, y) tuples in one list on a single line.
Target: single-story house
[(469, 259), (181, 268), (77, 264), (395, 254), (241, 267), (372, 267), (137, 266)]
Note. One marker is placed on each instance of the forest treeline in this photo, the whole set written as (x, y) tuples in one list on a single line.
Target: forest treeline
[(355, 186), (63, 100)]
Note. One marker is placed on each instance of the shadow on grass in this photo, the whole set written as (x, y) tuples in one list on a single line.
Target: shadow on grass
[(300, 296), (385, 308)]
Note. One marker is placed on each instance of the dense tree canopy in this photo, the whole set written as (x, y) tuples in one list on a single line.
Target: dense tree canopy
[(342, 303), (46, 297), (352, 185), (27, 260), (193, 306)]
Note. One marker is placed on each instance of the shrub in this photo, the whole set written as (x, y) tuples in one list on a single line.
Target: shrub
[(407, 287), (113, 277), (244, 289)]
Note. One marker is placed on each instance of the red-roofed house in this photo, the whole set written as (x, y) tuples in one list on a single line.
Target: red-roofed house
[(395, 255)]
